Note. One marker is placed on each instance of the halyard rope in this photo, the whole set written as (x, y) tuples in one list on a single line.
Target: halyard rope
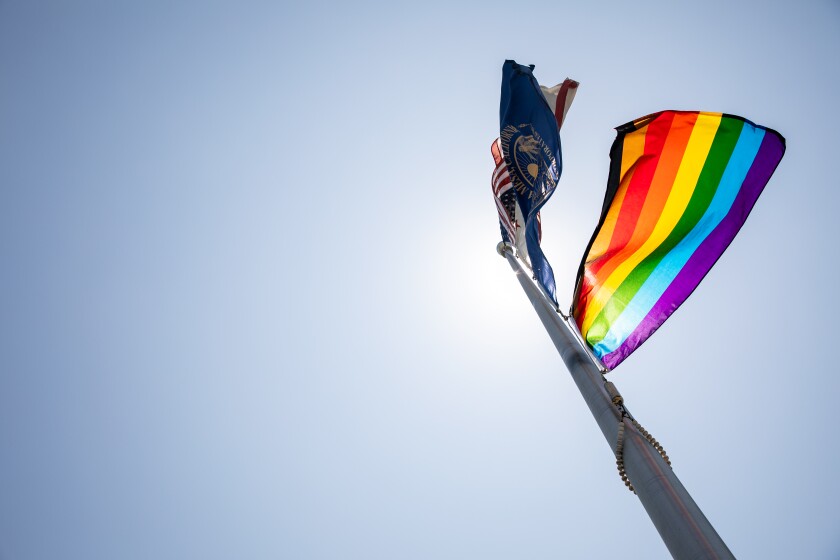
[(618, 401)]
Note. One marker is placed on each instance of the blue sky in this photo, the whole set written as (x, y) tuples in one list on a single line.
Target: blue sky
[(251, 305)]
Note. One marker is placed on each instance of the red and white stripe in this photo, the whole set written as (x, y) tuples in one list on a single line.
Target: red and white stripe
[(501, 183), (560, 98)]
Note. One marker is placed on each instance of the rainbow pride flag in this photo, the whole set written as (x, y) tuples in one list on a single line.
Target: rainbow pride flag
[(681, 185)]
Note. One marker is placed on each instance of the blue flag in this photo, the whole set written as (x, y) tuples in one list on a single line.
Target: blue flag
[(530, 142)]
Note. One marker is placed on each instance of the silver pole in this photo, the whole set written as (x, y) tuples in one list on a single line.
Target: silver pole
[(683, 527)]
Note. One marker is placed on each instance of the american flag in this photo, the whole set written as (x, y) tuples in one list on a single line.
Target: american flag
[(503, 193), (559, 99)]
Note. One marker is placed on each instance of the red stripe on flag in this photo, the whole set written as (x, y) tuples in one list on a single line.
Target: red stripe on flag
[(562, 95)]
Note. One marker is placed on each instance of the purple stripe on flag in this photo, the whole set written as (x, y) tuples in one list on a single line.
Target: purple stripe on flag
[(707, 254)]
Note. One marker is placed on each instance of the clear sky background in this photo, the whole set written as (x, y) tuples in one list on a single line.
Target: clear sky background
[(250, 305)]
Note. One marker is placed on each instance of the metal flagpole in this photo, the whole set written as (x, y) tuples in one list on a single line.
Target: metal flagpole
[(683, 527)]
